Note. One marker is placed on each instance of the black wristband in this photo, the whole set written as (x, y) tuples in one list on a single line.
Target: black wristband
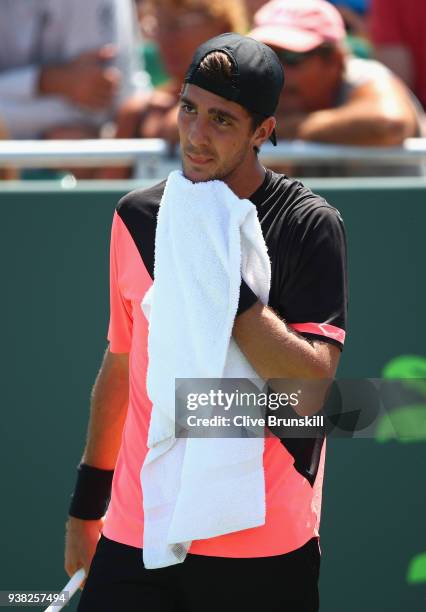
[(91, 493), (247, 298)]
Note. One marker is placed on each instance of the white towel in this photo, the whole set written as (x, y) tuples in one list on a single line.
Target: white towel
[(197, 488)]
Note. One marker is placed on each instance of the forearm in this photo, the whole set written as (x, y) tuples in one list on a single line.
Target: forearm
[(354, 125), (273, 349), (108, 410), (277, 353)]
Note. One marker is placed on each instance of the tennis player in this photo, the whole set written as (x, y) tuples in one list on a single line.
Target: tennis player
[(227, 107)]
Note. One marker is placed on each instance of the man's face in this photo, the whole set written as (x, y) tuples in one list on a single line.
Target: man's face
[(311, 81), (215, 134)]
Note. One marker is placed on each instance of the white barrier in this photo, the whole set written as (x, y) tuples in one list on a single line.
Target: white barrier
[(305, 153), (153, 158)]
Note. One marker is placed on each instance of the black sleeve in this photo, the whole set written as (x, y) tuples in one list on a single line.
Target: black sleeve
[(314, 288), (247, 298)]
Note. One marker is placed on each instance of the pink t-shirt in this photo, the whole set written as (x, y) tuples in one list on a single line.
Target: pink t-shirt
[(293, 506)]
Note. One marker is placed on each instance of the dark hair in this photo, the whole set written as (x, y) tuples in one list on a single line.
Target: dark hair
[(218, 67)]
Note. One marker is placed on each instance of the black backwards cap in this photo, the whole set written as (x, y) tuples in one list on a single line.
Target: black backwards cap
[(257, 76)]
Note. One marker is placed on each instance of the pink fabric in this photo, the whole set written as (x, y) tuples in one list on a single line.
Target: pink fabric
[(321, 329), (402, 23), (298, 25), (293, 508)]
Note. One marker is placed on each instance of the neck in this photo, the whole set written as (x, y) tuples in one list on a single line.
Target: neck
[(244, 184)]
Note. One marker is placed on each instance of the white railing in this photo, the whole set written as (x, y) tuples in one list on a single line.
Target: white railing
[(303, 152), (153, 158), (55, 153)]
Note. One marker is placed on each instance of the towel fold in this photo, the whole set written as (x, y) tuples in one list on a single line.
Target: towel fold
[(196, 488)]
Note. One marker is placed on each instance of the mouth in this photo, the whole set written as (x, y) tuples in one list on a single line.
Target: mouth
[(198, 160)]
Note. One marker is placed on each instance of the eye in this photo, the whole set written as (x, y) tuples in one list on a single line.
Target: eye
[(221, 120), (187, 108)]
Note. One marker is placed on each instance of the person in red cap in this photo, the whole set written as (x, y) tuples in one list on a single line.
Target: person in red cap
[(331, 96)]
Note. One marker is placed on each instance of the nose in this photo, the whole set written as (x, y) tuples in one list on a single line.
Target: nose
[(197, 132)]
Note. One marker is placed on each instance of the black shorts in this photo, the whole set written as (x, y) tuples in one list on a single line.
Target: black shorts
[(118, 582)]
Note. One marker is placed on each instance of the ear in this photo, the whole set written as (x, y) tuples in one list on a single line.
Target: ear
[(263, 131)]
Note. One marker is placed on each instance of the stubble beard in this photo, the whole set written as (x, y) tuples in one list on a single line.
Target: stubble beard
[(223, 173)]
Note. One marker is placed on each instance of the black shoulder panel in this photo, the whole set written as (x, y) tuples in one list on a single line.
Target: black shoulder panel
[(138, 211)]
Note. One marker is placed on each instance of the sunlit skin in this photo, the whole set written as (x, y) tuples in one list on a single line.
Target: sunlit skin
[(217, 141)]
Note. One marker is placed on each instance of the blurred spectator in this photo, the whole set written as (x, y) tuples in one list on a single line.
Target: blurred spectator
[(329, 95), (178, 27), (65, 65), (398, 30)]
